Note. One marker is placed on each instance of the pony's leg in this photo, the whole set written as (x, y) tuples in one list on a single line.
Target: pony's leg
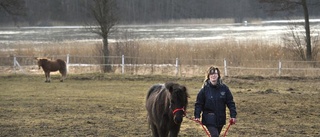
[(163, 131), (174, 131), (63, 75), (154, 131), (48, 77)]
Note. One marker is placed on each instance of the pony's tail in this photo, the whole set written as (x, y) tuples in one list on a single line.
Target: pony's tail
[(63, 66)]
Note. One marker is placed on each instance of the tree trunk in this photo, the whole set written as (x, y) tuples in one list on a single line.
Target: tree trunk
[(307, 28), (107, 66)]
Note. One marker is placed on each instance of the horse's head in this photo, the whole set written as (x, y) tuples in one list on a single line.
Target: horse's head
[(179, 101), (41, 61)]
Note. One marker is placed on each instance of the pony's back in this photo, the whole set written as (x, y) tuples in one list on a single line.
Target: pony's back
[(153, 89)]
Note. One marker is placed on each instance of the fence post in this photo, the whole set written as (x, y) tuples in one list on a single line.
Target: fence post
[(279, 69), (14, 64), (225, 67), (122, 64), (177, 66), (68, 62)]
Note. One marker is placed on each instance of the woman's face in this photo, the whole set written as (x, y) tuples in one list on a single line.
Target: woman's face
[(213, 76)]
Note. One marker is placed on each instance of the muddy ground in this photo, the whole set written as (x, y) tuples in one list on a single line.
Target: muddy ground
[(113, 105)]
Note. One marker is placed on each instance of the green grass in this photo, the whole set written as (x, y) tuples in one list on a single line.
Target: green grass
[(113, 105)]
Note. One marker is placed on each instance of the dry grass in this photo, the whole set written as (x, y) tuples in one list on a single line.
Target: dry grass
[(194, 57), (113, 105), (230, 49), (186, 50)]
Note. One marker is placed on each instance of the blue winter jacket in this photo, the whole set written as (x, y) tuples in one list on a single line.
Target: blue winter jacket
[(212, 101)]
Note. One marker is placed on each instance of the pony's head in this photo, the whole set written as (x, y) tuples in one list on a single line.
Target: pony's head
[(41, 61), (178, 101)]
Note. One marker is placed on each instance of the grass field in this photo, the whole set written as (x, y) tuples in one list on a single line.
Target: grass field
[(113, 105)]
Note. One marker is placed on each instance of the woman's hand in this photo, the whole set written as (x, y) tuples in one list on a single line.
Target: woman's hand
[(233, 121), (197, 120)]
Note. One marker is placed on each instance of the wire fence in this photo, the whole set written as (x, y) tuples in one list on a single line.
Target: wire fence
[(165, 66)]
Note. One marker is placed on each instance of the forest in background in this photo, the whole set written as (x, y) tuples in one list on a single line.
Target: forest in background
[(76, 12)]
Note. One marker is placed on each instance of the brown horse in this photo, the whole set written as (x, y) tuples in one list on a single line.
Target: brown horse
[(51, 66), (166, 106)]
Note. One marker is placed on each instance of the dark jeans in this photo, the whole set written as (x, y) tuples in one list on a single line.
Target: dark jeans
[(214, 131)]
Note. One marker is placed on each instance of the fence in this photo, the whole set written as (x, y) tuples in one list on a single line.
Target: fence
[(177, 67)]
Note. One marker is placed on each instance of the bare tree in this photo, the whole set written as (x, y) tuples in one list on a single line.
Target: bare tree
[(14, 8), (104, 13), (294, 41), (291, 6)]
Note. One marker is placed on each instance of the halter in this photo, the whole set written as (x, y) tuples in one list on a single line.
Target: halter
[(179, 109)]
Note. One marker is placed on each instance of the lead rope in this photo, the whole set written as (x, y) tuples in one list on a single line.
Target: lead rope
[(204, 128), (225, 133)]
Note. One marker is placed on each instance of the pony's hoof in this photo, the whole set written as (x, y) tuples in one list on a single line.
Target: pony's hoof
[(61, 80), (47, 81)]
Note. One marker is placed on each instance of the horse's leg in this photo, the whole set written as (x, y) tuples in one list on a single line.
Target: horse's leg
[(48, 76), (63, 75), (154, 131), (174, 131), (163, 131)]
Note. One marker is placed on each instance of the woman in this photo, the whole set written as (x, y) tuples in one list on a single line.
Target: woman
[(212, 100)]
